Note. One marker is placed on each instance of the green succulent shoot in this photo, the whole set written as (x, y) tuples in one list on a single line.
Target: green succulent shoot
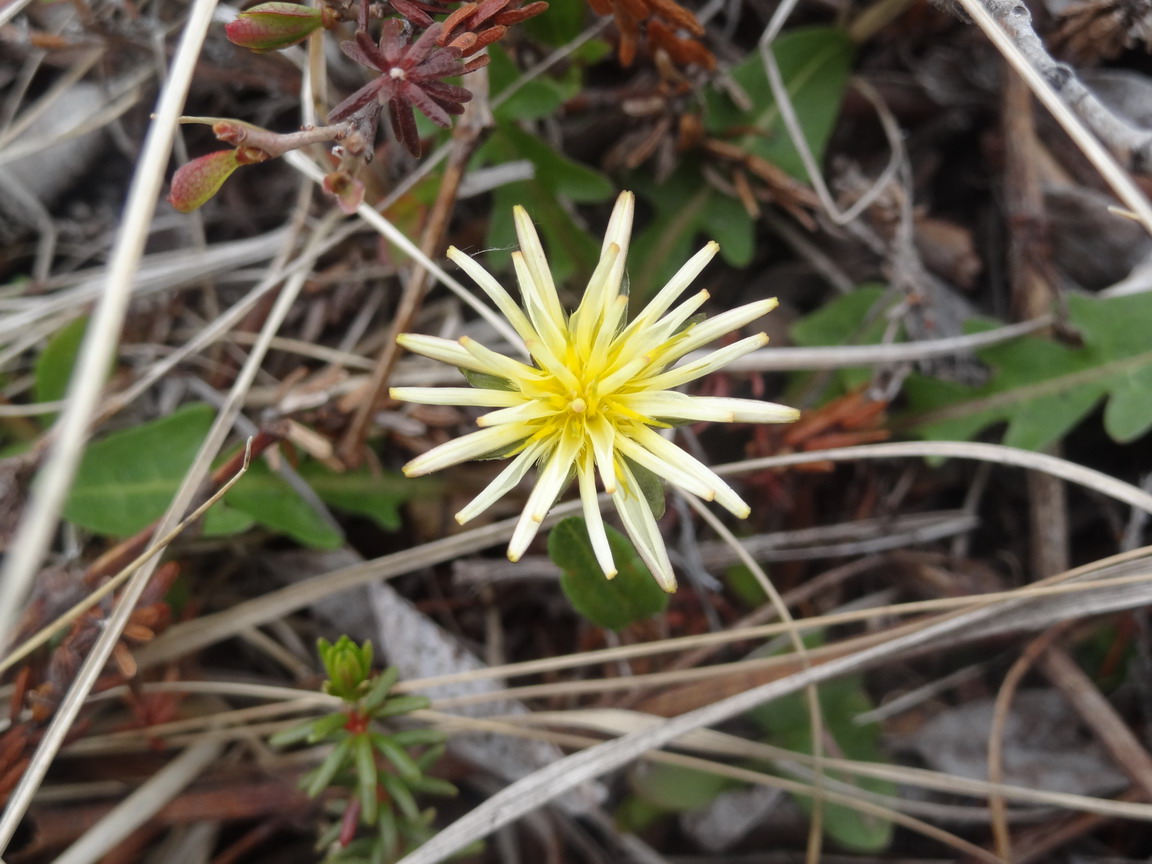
[(378, 770)]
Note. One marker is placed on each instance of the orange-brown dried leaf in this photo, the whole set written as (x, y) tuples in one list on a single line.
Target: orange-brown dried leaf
[(684, 52), (853, 414), (476, 25), (662, 18), (676, 15)]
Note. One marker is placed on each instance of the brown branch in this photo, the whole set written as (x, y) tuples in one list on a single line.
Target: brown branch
[(1033, 294), (1130, 144), (466, 137)]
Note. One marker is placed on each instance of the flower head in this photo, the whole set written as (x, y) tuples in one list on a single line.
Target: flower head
[(597, 391), (410, 75)]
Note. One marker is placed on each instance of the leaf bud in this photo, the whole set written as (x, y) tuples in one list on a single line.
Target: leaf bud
[(276, 25)]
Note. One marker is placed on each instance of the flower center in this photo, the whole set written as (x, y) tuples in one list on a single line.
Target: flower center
[(397, 73)]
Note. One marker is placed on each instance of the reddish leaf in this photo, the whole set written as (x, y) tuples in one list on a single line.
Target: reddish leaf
[(193, 184), (272, 26)]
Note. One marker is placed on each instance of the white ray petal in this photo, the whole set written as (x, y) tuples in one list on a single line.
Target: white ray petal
[(645, 533), (457, 396), (555, 474), (666, 469), (708, 363), (603, 340), (537, 264), (586, 471), (620, 224), (497, 363), (603, 437), (444, 350), (525, 412), (650, 340), (671, 405), (470, 446), (549, 324), (502, 484), (660, 446), (495, 292), (619, 233), (712, 329), (623, 375), (548, 361), (676, 286), (596, 301)]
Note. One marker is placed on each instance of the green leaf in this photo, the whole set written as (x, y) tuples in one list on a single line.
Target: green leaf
[(270, 500), (401, 761), (538, 98), (318, 780), (814, 64), (561, 24), (672, 787), (54, 365), (651, 487), (744, 585), (571, 251), (366, 779), (373, 494), (610, 603), (841, 700), (850, 319), (1042, 388), (635, 815), (484, 381), (688, 213), (401, 795), (127, 480)]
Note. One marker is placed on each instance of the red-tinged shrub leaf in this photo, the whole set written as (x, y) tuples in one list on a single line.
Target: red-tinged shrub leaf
[(193, 184), (272, 26)]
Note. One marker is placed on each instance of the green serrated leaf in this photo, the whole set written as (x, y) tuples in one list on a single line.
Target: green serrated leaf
[(1042, 388), (126, 481), (814, 65), (610, 603)]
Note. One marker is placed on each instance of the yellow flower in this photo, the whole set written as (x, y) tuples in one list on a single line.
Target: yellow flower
[(599, 389)]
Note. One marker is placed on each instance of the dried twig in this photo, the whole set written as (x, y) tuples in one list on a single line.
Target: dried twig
[(466, 137), (1008, 25)]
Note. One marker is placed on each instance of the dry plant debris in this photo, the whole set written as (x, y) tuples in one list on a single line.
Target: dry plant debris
[(878, 168)]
